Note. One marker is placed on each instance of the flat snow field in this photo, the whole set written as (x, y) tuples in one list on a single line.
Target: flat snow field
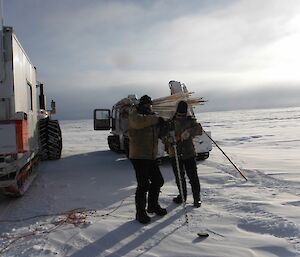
[(83, 204)]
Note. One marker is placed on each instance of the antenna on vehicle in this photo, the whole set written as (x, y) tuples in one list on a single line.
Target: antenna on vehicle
[(1, 13), (1, 43)]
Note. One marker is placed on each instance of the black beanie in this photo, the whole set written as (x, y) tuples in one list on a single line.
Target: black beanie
[(145, 99), (182, 107)]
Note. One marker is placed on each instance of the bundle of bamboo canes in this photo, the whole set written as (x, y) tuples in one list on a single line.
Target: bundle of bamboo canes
[(166, 106)]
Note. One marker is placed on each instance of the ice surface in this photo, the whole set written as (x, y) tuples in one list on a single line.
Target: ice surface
[(255, 218)]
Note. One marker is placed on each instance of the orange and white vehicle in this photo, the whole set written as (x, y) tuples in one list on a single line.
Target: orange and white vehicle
[(24, 129)]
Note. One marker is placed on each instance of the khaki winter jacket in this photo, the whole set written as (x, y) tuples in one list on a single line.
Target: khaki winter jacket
[(185, 148), (143, 135)]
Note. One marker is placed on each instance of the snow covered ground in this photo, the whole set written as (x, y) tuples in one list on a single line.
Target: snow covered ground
[(83, 204)]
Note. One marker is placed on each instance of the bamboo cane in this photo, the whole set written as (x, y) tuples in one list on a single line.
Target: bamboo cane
[(172, 134), (226, 156), (202, 234)]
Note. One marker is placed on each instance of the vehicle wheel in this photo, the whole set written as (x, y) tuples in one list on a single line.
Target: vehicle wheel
[(50, 139), (43, 139), (54, 140), (113, 143)]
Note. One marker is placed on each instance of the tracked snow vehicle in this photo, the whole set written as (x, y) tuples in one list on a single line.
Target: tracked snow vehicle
[(27, 132), (116, 120)]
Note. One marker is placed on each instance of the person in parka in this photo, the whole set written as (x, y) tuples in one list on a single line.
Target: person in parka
[(143, 143), (186, 128)]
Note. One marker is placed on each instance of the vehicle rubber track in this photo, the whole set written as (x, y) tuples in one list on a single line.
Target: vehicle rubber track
[(23, 179)]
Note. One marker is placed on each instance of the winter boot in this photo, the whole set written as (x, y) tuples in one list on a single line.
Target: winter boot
[(196, 192), (178, 199), (157, 210), (142, 217), (153, 206), (197, 203), (140, 202)]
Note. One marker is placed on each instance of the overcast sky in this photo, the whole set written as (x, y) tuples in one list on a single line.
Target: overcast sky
[(91, 53)]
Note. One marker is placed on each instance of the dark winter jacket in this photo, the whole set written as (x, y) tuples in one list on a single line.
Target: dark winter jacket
[(185, 148), (143, 135)]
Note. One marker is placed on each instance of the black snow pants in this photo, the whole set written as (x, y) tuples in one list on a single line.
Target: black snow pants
[(149, 179), (190, 167)]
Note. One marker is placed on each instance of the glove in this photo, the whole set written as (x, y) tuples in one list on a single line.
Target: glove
[(170, 140), (163, 127), (185, 135), (161, 121)]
